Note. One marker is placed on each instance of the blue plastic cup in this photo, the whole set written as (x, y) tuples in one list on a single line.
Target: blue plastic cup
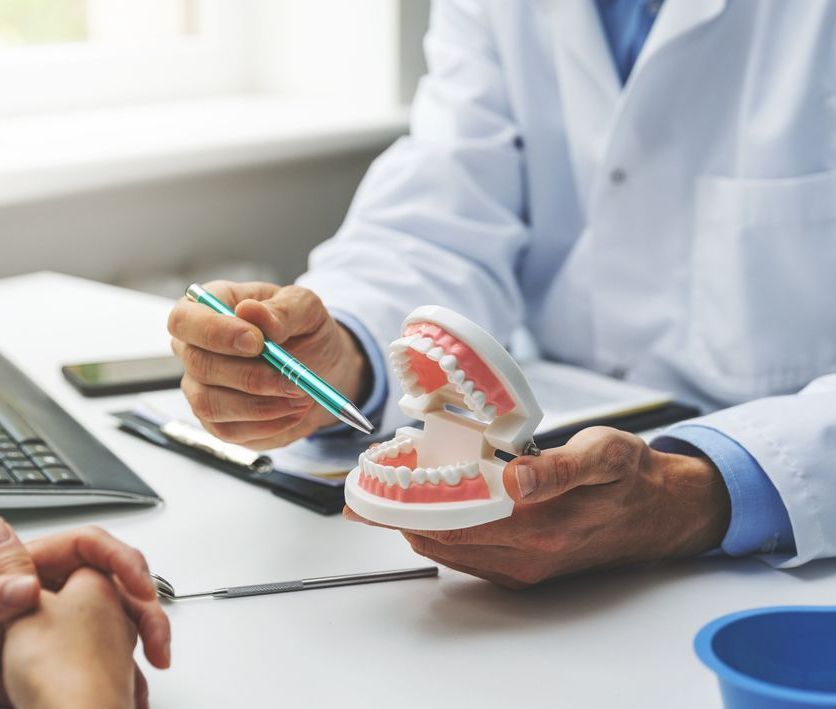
[(773, 658)]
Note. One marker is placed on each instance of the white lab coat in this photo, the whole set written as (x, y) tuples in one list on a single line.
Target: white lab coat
[(680, 232)]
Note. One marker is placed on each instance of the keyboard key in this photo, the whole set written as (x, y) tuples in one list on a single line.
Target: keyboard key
[(19, 465), (43, 461), (37, 449), (16, 428), (29, 476), (12, 455), (5, 478), (8, 446), (59, 475)]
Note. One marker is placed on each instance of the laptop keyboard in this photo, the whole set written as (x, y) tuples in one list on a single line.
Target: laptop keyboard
[(25, 459)]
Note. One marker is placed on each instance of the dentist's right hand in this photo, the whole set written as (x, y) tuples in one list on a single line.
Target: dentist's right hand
[(239, 397)]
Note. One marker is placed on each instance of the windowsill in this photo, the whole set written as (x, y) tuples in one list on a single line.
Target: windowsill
[(51, 155)]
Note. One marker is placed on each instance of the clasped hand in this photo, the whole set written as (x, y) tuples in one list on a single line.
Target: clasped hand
[(71, 606)]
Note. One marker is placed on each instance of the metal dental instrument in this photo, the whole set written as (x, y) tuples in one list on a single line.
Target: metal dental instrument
[(288, 366), (166, 590)]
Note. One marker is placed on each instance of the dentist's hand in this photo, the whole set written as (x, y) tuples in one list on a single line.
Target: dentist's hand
[(605, 499), (235, 394)]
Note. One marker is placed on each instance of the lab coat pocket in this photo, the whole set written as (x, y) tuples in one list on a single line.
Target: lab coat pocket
[(763, 287)]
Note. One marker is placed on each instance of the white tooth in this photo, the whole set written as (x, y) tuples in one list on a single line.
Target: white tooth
[(435, 354), (389, 474), (490, 412), (409, 379), (433, 475), (422, 345), (402, 473), (478, 399), (451, 475), (405, 446), (401, 344), (414, 390), (419, 476), (392, 451), (467, 387), (470, 470), (457, 376), (448, 363), (398, 356)]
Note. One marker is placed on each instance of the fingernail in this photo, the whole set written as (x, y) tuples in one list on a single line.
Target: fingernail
[(300, 403), (5, 531), (18, 591), (246, 343), (526, 479)]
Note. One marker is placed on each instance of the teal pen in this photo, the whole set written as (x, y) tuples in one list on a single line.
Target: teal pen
[(288, 366)]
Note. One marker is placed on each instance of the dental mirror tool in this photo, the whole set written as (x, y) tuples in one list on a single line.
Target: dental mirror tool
[(166, 590)]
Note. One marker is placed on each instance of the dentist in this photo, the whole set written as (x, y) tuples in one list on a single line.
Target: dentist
[(650, 188)]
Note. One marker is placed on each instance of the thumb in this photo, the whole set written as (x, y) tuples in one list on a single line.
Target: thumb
[(19, 586), (532, 479)]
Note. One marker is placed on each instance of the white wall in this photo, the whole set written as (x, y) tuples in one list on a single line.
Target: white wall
[(272, 214)]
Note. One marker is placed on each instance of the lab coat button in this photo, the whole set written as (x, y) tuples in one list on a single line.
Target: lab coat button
[(617, 176)]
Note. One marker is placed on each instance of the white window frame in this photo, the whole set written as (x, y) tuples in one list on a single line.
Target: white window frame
[(63, 77)]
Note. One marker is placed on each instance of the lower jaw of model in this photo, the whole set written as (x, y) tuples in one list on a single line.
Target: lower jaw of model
[(392, 470)]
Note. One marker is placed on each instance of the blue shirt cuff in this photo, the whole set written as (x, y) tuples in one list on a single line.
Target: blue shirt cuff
[(759, 519), (372, 407)]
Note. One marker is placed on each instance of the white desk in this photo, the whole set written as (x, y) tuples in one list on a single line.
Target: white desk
[(612, 640)]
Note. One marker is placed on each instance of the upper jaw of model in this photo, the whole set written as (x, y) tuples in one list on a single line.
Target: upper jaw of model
[(447, 475)]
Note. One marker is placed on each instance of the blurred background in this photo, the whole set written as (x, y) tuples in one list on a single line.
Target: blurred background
[(150, 143)]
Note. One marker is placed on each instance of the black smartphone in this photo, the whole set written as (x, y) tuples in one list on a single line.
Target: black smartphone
[(124, 376)]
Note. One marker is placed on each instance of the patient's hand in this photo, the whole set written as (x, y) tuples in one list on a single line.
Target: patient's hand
[(75, 650), (604, 499), (239, 397), (48, 562)]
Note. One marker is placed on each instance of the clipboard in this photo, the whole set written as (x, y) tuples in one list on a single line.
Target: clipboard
[(323, 499)]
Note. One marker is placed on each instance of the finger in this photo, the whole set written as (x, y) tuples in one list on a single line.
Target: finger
[(352, 516), (264, 435), (221, 405), (19, 586), (198, 325), (153, 627), (596, 456), (233, 292), (57, 556), (259, 435), (291, 312), (455, 559), (140, 689), (252, 376)]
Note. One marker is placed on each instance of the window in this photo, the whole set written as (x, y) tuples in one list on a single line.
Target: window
[(65, 54), (39, 22)]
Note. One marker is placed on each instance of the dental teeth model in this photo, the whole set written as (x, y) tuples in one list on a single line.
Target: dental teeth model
[(447, 475)]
